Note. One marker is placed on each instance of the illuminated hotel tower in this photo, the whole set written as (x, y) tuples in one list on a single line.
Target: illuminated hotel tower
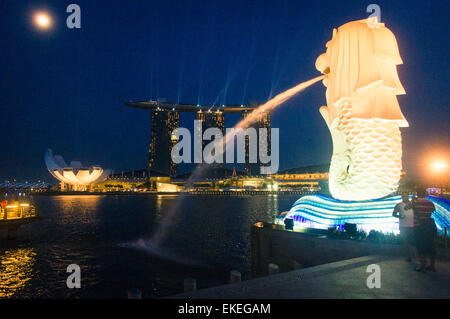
[(161, 141), (211, 119), (165, 117), (253, 169)]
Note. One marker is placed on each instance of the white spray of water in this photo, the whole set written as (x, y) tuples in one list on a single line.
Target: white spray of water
[(153, 246)]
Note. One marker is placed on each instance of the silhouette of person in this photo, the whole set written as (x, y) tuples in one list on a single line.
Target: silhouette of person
[(425, 231), (404, 212)]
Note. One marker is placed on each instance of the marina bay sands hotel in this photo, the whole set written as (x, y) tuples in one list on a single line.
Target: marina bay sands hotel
[(165, 117)]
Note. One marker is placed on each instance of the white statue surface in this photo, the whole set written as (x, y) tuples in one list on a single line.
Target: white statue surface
[(362, 112)]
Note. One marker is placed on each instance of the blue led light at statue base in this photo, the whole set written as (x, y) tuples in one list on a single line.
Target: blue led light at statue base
[(317, 211)]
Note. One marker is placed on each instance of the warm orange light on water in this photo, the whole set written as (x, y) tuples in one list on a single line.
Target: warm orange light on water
[(16, 269)]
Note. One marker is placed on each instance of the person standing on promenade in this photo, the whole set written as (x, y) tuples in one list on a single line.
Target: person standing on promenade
[(404, 212), (425, 231)]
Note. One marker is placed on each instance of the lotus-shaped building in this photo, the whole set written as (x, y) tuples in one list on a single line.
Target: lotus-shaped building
[(75, 174)]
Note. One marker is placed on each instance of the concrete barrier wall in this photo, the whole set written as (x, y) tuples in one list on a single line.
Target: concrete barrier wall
[(290, 250)]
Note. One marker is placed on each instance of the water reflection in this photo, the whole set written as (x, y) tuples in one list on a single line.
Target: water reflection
[(163, 204), (66, 202), (84, 208), (88, 230), (272, 206), (159, 200), (16, 269)]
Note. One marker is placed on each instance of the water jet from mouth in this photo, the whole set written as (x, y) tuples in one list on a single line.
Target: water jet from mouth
[(254, 116)]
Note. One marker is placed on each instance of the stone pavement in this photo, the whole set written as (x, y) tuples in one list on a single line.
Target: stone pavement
[(343, 279)]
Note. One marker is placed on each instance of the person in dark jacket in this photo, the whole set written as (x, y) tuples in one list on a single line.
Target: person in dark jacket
[(425, 231)]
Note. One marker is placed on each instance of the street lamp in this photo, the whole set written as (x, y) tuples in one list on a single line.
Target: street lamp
[(439, 167)]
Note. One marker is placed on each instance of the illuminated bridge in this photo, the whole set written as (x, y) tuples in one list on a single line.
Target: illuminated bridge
[(165, 117)]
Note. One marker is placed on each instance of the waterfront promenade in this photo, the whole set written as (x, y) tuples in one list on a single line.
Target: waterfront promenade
[(193, 192), (16, 214), (342, 279)]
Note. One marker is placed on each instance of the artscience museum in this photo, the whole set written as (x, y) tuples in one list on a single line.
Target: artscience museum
[(75, 176)]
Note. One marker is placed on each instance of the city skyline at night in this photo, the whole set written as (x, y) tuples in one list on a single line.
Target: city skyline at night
[(208, 53), (234, 152)]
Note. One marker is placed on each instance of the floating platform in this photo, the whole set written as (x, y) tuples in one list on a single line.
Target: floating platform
[(16, 215)]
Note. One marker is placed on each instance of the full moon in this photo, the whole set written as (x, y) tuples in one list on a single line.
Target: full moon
[(42, 20)]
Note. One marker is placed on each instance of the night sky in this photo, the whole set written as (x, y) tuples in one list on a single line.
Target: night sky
[(64, 88)]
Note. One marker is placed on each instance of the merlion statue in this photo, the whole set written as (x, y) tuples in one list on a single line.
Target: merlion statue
[(362, 110)]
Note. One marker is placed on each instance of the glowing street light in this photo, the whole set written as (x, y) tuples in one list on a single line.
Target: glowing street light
[(42, 20), (439, 166)]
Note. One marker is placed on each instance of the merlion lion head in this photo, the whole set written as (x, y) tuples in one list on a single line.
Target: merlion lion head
[(362, 110)]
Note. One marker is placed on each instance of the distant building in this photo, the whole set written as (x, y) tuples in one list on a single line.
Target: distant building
[(162, 141), (315, 177), (74, 176), (211, 119), (137, 181), (165, 117), (253, 169)]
